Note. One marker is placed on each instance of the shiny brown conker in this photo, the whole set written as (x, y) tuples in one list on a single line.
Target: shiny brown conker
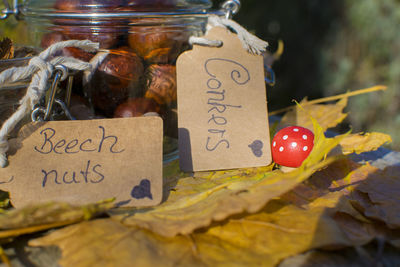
[(55, 37), (80, 109), (51, 38), (123, 64), (136, 107), (159, 56), (156, 44), (161, 84), (77, 53), (118, 76)]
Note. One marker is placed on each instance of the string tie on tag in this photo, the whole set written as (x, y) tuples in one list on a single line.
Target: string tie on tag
[(39, 70), (250, 42)]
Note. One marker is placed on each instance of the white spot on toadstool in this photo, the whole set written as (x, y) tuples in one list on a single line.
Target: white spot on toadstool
[(281, 149), (295, 130), (305, 148), (274, 144), (305, 137), (294, 144), (285, 137)]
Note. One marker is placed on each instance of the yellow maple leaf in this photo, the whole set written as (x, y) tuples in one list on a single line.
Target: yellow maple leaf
[(327, 116), (359, 143)]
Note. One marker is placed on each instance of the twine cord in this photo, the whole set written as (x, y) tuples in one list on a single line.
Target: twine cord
[(39, 70), (95, 63), (250, 42)]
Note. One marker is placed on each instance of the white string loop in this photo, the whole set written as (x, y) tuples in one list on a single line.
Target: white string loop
[(250, 42), (193, 40), (95, 63)]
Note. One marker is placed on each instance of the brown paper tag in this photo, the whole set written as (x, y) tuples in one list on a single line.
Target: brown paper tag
[(222, 107), (82, 162)]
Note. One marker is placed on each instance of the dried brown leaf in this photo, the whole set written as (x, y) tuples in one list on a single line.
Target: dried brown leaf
[(355, 183), (337, 177), (357, 231), (46, 216), (263, 239), (378, 195), (341, 177), (325, 219), (360, 257), (6, 49)]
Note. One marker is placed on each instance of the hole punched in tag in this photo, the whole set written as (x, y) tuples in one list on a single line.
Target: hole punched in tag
[(45, 110)]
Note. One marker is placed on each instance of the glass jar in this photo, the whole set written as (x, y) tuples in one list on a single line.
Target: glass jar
[(10, 94), (144, 39)]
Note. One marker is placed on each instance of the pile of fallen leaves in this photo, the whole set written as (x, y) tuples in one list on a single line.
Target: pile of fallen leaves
[(246, 217)]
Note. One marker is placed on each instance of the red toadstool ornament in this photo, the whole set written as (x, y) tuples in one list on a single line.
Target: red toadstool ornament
[(291, 146)]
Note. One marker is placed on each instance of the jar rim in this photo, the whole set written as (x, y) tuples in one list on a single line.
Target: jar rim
[(100, 9), (28, 12)]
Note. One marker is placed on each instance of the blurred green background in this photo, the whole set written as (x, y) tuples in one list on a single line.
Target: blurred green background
[(330, 47)]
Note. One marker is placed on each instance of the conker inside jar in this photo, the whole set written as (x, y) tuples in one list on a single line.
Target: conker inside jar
[(138, 76), (116, 79)]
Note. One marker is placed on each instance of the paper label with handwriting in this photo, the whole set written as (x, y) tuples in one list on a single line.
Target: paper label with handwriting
[(81, 162), (222, 107)]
